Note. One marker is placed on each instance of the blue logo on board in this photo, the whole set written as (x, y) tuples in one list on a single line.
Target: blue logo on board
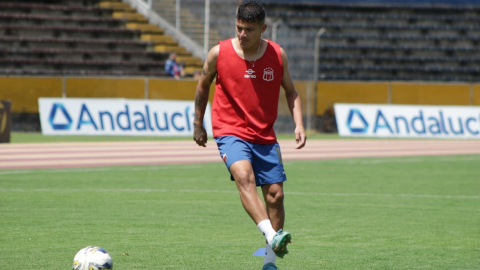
[(356, 114), (53, 112)]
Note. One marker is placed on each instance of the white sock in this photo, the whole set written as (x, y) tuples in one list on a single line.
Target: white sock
[(269, 255), (265, 226)]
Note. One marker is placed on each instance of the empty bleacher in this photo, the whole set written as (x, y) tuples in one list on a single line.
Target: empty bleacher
[(381, 41), (362, 41), (82, 38), (365, 41)]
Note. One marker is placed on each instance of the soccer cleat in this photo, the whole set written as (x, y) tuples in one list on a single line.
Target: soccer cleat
[(270, 266), (279, 243)]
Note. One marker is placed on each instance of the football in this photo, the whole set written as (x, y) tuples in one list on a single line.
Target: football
[(92, 258)]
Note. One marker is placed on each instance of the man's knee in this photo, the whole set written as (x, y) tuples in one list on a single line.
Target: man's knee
[(243, 174), (244, 177), (275, 195)]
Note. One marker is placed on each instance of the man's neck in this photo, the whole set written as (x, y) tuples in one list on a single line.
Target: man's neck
[(251, 51)]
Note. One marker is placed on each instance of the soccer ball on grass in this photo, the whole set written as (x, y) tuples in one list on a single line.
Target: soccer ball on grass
[(92, 258)]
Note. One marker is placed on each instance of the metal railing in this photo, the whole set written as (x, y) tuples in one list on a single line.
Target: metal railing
[(144, 7), (147, 4)]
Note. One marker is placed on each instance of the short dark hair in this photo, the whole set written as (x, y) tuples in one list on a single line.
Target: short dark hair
[(251, 11)]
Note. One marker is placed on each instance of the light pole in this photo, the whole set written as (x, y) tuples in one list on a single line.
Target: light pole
[(178, 12), (316, 57), (275, 25), (206, 36)]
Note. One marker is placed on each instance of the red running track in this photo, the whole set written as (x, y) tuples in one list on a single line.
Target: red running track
[(95, 154)]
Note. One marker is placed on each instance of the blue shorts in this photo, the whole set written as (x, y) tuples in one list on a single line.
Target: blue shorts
[(266, 159)]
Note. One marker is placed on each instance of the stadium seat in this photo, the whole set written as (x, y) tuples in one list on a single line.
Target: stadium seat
[(47, 9), (83, 63), (40, 30), (82, 72), (83, 54), (369, 15), (52, 19), (74, 42)]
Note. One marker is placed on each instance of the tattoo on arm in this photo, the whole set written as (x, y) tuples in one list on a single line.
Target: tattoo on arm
[(210, 76), (201, 100), (203, 88)]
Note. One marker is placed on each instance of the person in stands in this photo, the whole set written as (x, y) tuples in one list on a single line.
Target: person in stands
[(172, 67)]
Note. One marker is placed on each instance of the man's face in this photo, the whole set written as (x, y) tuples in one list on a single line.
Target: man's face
[(249, 33)]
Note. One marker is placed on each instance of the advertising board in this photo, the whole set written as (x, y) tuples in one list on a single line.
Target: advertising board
[(87, 116), (408, 121)]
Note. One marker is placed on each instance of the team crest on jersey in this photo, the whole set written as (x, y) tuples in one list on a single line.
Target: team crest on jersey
[(250, 74), (268, 74)]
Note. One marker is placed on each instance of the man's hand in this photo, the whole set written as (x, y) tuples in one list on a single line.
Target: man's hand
[(200, 135), (300, 137)]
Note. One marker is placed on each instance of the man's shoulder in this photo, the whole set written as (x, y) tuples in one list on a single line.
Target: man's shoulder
[(214, 51), (272, 43), (276, 46), (226, 40)]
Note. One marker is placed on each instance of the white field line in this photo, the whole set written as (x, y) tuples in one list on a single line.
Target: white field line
[(433, 196), (102, 169), (404, 160)]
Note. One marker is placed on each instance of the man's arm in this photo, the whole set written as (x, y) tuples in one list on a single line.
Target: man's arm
[(294, 103), (209, 72)]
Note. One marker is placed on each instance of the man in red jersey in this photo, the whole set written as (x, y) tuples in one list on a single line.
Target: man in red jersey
[(249, 72)]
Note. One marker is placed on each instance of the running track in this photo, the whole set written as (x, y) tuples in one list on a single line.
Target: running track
[(94, 154)]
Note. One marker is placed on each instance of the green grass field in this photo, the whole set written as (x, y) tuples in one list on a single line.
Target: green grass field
[(389, 213)]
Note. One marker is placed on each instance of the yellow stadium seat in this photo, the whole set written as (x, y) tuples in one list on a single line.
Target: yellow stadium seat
[(145, 28)]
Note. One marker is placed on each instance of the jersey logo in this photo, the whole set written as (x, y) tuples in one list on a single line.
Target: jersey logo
[(268, 74), (250, 74)]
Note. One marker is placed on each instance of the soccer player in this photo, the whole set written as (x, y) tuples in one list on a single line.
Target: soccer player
[(249, 71)]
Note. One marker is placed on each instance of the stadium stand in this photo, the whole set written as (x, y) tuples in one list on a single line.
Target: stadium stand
[(382, 41), (368, 40), (67, 37)]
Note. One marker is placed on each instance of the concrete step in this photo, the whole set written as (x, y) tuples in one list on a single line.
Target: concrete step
[(145, 28), (189, 71), (159, 39), (117, 6), (170, 49), (190, 60), (130, 17)]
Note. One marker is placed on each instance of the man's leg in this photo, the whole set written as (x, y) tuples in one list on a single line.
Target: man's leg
[(237, 155), (273, 195), (242, 172)]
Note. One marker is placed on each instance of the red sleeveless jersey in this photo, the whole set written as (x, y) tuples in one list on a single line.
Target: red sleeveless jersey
[(245, 103)]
